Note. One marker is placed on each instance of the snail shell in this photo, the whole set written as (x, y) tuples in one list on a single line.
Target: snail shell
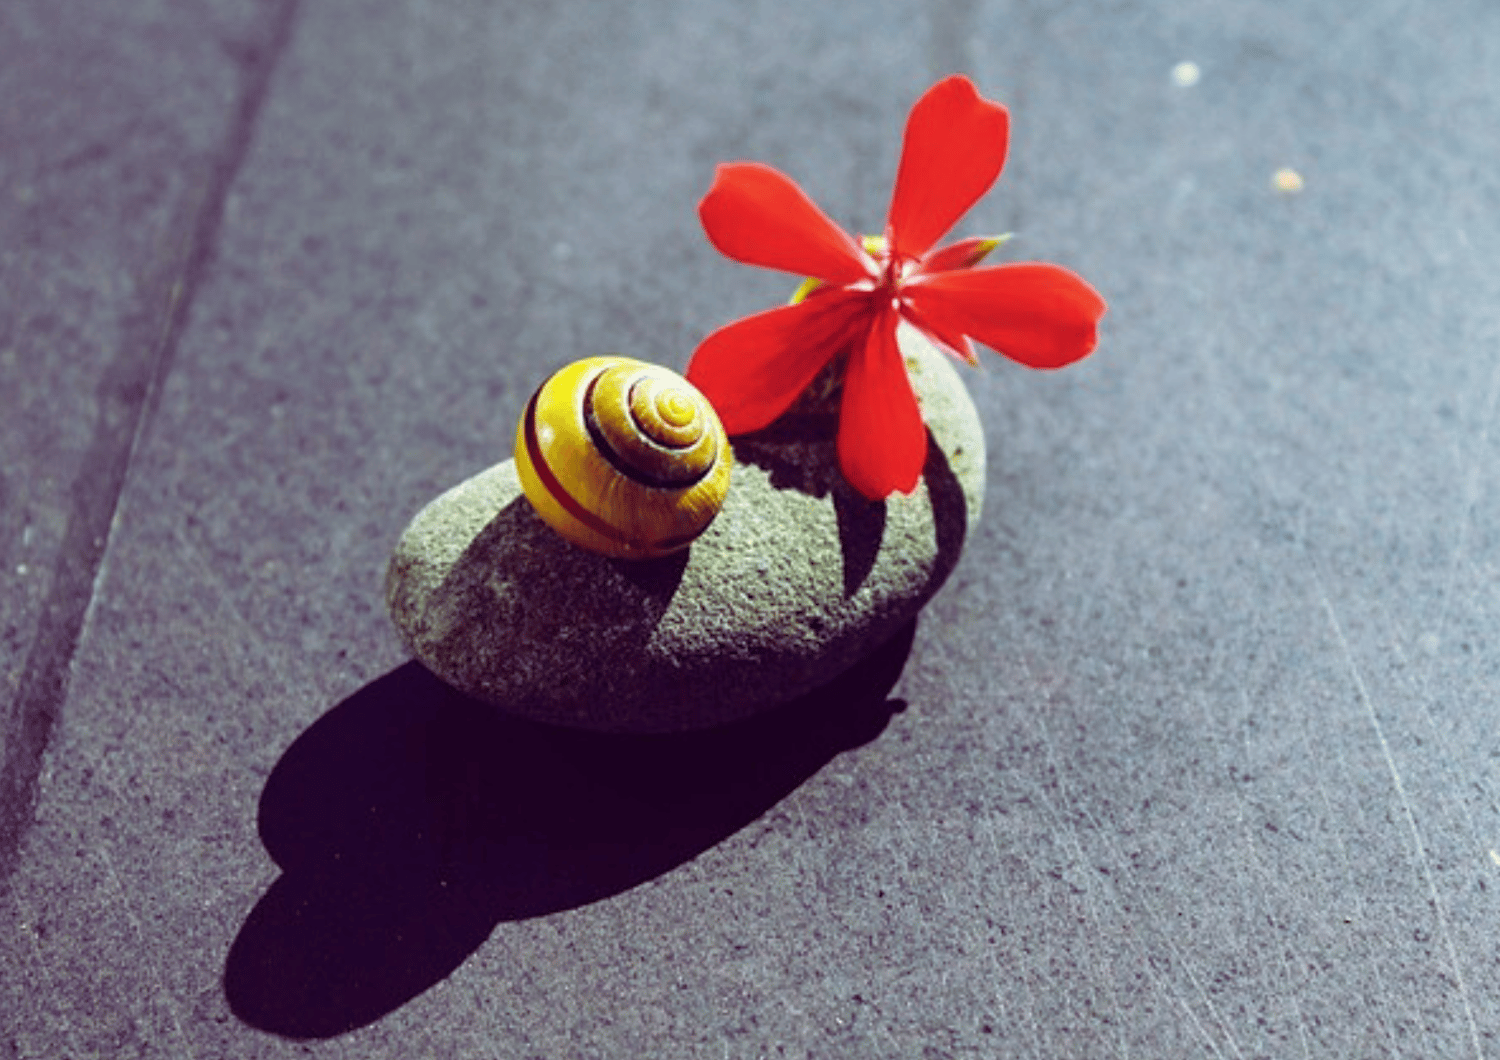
[(623, 457)]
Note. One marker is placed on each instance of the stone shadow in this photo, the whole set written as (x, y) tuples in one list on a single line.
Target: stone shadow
[(409, 821)]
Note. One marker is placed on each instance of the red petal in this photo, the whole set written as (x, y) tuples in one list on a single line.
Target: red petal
[(882, 441), (964, 254), (953, 150), (1040, 315), (955, 343), (758, 216), (752, 369)]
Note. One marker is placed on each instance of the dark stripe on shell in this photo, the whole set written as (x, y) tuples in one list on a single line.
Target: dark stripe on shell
[(566, 500), (619, 462)]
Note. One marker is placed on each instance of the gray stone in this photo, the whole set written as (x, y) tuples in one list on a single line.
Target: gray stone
[(797, 578)]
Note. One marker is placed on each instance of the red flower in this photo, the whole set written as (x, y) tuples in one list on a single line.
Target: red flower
[(753, 369)]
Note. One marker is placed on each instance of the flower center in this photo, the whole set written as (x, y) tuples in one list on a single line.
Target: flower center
[(895, 269)]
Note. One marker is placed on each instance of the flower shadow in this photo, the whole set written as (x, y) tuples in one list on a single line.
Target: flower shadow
[(798, 452), (410, 821)]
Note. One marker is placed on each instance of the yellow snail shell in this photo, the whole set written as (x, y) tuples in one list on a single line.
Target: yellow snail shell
[(623, 457)]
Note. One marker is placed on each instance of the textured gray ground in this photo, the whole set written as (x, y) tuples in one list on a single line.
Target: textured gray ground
[(1198, 754)]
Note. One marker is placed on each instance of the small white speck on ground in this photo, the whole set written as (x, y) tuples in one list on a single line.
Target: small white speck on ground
[(1287, 181), (1185, 74), (1429, 643)]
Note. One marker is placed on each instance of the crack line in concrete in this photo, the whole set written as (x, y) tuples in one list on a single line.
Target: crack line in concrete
[(128, 395)]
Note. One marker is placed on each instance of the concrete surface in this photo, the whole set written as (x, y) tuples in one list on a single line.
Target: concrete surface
[(1197, 754)]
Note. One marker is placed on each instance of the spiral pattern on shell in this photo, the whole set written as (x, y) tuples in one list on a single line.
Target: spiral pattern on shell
[(622, 457)]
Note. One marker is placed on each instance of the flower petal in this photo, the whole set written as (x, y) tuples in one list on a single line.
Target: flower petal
[(953, 151), (955, 343), (964, 254), (759, 216), (1038, 314), (753, 369), (882, 441)]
